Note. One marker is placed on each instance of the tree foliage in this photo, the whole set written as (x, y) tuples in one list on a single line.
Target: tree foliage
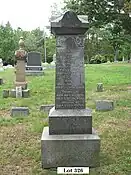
[(109, 20), (34, 41)]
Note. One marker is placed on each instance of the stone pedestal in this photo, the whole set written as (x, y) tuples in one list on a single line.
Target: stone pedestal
[(20, 73), (70, 150), (70, 140)]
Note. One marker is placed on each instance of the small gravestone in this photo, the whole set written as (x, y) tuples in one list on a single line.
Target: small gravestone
[(5, 93), (1, 81), (104, 105), (70, 141), (46, 108), (34, 64), (18, 92), (100, 87), (19, 111)]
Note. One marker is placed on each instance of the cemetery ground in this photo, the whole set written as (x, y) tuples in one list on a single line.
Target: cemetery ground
[(20, 147)]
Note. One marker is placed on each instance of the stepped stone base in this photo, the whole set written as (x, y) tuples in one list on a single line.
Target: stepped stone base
[(25, 93), (22, 84), (34, 70), (70, 121), (69, 150)]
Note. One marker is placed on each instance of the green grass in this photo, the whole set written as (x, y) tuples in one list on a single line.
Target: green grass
[(20, 137)]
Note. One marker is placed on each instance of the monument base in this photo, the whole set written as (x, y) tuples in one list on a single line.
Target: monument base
[(70, 121), (22, 84), (34, 73), (71, 150), (25, 93), (34, 70)]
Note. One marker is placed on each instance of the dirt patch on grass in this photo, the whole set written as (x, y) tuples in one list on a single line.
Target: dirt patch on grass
[(20, 150), (5, 114)]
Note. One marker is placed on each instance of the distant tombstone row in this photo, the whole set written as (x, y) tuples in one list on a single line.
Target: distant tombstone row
[(34, 64)]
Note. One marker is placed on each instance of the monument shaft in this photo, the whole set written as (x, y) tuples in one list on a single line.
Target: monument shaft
[(70, 86)]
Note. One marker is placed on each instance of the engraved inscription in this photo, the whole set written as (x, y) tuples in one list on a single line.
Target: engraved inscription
[(70, 86)]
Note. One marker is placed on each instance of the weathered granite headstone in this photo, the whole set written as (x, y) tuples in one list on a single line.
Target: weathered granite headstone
[(19, 111), (70, 140), (34, 64), (104, 105), (1, 81), (5, 93), (100, 87)]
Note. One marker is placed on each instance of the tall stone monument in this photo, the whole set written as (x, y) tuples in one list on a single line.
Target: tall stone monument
[(70, 140), (21, 56)]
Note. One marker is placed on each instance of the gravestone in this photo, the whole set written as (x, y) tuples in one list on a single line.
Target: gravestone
[(100, 87), (20, 66), (20, 83), (104, 105), (34, 64), (19, 111), (70, 140)]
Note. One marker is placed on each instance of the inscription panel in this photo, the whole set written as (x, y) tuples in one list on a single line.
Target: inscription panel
[(70, 86)]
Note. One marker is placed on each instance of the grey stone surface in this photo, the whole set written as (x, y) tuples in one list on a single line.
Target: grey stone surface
[(34, 64), (46, 108), (70, 84), (19, 111), (68, 121), (1, 81), (18, 92), (34, 59), (70, 24), (5, 93), (25, 93), (100, 87), (34, 73), (104, 105), (13, 93), (69, 150), (69, 139)]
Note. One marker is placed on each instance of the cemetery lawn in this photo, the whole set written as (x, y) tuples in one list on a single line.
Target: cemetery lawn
[(20, 137)]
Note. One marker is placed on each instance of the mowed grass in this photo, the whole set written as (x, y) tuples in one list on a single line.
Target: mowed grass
[(20, 147)]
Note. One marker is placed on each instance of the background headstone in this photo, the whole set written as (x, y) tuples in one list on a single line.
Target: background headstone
[(100, 87), (104, 105), (34, 59), (20, 66), (19, 111), (34, 64)]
